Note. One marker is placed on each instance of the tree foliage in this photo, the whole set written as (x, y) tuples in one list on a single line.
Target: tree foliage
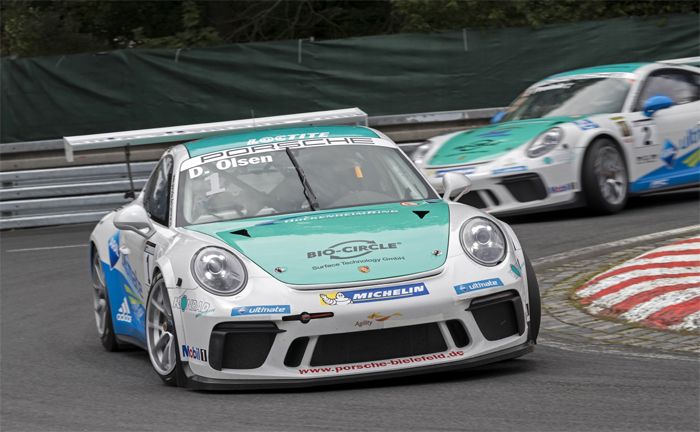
[(64, 27)]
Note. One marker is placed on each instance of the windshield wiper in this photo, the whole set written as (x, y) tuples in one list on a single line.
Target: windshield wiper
[(308, 193)]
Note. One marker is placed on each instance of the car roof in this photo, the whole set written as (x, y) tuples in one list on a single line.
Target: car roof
[(621, 67), (208, 145)]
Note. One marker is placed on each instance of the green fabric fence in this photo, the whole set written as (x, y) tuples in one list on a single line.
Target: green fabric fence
[(51, 97)]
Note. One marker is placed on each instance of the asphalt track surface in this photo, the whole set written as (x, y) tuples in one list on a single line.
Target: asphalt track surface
[(56, 376)]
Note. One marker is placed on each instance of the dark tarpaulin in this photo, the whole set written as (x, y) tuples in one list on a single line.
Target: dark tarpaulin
[(51, 97)]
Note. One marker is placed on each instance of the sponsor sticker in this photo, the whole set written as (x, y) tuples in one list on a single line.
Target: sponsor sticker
[(382, 364), (333, 215), (497, 133), (351, 249), (335, 298), (124, 312), (658, 184), (261, 310), (647, 159), (586, 124), (199, 307), (512, 169), (562, 188), (478, 285), (375, 317), (194, 353), (462, 170), (278, 138)]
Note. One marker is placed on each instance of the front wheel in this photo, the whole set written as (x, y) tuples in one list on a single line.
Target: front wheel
[(604, 177), (100, 301), (533, 293), (161, 338)]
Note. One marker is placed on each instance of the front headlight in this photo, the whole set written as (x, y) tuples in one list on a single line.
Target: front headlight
[(545, 142), (418, 154), (483, 241), (219, 271)]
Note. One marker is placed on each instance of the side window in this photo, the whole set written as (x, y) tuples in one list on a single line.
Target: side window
[(156, 199), (680, 85)]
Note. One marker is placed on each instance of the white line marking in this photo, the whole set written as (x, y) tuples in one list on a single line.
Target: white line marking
[(662, 259), (614, 280), (596, 249), (690, 323), (616, 297), (675, 247), (644, 310), (47, 248)]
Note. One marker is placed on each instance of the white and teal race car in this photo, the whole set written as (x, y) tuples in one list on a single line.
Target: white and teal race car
[(304, 256), (587, 137)]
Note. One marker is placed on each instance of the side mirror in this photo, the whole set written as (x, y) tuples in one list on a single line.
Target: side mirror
[(656, 103), (455, 182), (498, 117), (134, 218)]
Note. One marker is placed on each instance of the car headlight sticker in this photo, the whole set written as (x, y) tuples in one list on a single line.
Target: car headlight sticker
[(219, 271), (483, 241), (545, 142)]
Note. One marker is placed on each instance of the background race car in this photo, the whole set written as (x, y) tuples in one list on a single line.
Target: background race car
[(590, 136)]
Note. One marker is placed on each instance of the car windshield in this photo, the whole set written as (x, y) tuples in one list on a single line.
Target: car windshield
[(572, 97), (271, 183)]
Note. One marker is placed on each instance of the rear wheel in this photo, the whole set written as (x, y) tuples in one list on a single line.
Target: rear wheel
[(100, 301), (604, 177), (533, 292), (161, 338)]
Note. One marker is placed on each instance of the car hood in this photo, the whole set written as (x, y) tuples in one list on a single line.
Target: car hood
[(487, 143), (342, 245)]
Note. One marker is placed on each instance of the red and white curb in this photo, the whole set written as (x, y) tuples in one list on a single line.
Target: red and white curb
[(660, 288)]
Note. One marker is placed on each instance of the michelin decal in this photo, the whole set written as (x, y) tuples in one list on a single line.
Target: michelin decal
[(373, 294)]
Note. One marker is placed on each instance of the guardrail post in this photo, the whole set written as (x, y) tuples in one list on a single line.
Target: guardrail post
[(131, 193)]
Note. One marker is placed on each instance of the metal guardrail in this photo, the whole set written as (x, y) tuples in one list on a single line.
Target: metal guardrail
[(83, 191)]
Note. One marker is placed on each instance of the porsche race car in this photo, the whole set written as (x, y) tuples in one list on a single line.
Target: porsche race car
[(591, 136), (304, 256)]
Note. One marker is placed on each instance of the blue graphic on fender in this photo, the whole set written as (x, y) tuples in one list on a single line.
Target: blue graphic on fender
[(113, 247), (125, 302), (678, 171), (668, 154)]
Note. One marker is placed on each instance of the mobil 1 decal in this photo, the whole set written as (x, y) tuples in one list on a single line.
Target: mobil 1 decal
[(353, 252)]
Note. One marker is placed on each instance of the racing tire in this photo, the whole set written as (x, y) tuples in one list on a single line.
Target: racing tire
[(535, 305), (161, 336), (103, 312), (604, 177)]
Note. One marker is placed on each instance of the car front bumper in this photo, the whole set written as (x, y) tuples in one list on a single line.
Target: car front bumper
[(505, 186), (443, 329)]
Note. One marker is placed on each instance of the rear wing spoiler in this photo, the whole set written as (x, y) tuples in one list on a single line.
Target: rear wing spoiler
[(348, 116), (690, 61)]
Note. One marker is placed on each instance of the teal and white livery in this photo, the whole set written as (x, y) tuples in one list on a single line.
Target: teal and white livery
[(587, 137), (304, 252)]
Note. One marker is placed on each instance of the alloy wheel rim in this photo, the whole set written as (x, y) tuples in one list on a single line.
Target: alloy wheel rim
[(99, 295), (611, 175), (160, 332)]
